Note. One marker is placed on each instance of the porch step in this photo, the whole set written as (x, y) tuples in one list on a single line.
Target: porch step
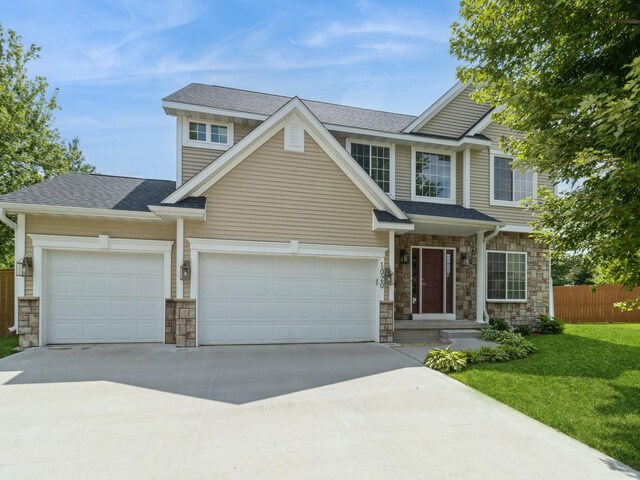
[(450, 335), (418, 331)]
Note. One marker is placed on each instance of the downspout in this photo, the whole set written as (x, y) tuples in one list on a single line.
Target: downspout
[(495, 232), (13, 226)]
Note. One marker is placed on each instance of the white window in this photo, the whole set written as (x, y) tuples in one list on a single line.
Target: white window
[(509, 186), (506, 276), (204, 134), (377, 160), (433, 176)]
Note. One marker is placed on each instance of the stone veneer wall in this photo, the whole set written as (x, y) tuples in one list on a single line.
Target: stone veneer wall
[(170, 321), (386, 322), (515, 313), (537, 280), (465, 275), (28, 322), (185, 323)]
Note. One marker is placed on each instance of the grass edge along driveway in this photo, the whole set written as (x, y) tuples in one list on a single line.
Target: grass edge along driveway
[(585, 383), (8, 345)]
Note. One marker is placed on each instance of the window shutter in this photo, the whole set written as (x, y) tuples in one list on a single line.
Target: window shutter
[(294, 136)]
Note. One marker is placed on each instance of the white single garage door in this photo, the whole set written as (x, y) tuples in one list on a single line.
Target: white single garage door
[(103, 297), (285, 299)]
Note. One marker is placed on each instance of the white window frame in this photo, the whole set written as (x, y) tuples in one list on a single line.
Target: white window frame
[(392, 160), (505, 203), (506, 291), (206, 143), (419, 198)]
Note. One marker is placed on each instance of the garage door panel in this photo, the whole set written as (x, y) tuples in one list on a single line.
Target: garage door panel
[(280, 299), (101, 297)]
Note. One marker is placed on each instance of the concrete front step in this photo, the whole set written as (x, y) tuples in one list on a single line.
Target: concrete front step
[(418, 331), (449, 335)]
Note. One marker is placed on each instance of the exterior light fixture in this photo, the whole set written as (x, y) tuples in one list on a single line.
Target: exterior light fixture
[(466, 258), (185, 271), (24, 267), (404, 256)]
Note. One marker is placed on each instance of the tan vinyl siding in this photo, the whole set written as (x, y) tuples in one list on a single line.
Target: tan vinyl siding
[(403, 172), (480, 192), (274, 195), (195, 159), (456, 117), (495, 131), (90, 227)]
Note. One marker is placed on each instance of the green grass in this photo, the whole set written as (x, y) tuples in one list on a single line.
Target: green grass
[(585, 383), (7, 345)]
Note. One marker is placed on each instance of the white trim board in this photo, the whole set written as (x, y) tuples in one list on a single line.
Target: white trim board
[(292, 247), (81, 211), (484, 122), (202, 181), (452, 179)]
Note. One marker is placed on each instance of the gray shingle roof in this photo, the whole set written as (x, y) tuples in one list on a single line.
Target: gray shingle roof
[(100, 191), (266, 104), (383, 216), (443, 210)]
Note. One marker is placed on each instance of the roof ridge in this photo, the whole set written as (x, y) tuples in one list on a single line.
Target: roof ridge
[(125, 176), (304, 99)]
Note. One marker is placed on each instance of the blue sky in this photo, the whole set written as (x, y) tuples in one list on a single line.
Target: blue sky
[(113, 61)]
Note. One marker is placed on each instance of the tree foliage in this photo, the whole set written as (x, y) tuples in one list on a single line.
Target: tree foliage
[(31, 148), (568, 73)]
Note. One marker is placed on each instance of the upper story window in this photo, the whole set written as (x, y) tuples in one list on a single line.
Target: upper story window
[(506, 276), (433, 176), (216, 135), (509, 186), (377, 160)]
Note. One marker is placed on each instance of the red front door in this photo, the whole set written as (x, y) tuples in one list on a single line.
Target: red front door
[(432, 288)]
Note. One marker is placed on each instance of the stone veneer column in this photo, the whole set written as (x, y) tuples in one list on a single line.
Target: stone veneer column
[(185, 323), (170, 321), (28, 322), (386, 322)]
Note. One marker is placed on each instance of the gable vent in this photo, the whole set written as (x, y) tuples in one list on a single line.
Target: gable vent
[(294, 136)]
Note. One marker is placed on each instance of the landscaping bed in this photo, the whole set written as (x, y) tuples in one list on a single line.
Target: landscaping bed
[(585, 383)]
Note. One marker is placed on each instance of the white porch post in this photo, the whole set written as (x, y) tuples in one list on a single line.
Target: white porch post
[(179, 257), (392, 256), (480, 276), (19, 251)]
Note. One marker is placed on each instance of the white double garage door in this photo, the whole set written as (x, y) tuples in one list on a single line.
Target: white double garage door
[(105, 297)]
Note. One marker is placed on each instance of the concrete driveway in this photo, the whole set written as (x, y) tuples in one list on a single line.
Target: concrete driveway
[(283, 412)]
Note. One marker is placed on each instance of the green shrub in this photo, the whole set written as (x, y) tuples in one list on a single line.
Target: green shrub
[(445, 360), (523, 330), (550, 325), (509, 339), (499, 324), (487, 355)]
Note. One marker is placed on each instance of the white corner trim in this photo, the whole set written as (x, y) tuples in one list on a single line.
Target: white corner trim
[(210, 245), (484, 122), (179, 127), (61, 242), (438, 105), (179, 257), (451, 200), (207, 143), (517, 229), (202, 181), (392, 159), (466, 178)]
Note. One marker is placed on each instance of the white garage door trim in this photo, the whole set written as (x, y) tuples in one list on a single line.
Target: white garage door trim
[(293, 247), (100, 243)]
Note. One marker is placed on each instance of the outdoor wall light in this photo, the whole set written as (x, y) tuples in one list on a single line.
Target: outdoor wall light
[(404, 256), (24, 267), (185, 271), (466, 258)]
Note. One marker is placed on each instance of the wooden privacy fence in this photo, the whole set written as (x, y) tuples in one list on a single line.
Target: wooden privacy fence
[(579, 304), (6, 301)]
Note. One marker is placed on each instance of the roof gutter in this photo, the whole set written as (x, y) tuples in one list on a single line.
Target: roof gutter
[(8, 222)]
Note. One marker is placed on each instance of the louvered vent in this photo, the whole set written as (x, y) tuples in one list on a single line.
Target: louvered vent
[(294, 136)]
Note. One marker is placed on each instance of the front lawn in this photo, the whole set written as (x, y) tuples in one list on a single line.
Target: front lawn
[(7, 345), (585, 383)]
